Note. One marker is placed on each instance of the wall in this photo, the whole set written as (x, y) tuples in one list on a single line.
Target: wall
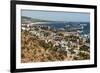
[(5, 37)]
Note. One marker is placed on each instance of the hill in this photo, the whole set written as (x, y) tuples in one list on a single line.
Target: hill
[(25, 19)]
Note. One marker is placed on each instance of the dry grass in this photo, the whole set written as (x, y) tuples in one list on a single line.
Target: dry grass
[(32, 51)]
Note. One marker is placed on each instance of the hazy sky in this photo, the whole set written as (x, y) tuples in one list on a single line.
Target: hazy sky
[(57, 16)]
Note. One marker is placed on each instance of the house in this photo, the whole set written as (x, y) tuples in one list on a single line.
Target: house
[(23, 28), (34, 32)]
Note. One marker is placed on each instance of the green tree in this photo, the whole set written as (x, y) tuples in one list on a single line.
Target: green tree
[(46, 34), (84, 48)]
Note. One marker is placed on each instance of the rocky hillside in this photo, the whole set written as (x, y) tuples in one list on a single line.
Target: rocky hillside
[(34, 50)]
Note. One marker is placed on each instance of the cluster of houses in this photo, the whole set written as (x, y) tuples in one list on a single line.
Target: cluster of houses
[(57, 40)]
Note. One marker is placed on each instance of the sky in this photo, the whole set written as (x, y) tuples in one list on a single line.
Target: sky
[(57, 16)]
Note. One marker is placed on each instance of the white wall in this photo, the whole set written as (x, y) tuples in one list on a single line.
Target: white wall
[(5, 37)]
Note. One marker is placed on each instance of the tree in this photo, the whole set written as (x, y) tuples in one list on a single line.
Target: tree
[(60, 34), (80, 41), (83, 56), (43, 44), (84, 48), (88, 40), (46, 34)]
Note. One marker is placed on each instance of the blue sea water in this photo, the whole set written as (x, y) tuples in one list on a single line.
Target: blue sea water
[(58, 25)]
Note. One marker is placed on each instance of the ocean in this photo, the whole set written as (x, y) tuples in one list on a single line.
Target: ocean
[(66, 25)]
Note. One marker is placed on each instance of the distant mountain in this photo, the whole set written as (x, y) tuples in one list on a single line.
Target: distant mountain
[(26, 19)]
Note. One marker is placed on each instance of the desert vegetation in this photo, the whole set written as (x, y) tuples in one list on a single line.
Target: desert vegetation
[(36, 50)]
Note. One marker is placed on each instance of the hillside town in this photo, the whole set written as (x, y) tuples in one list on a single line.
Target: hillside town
[(42, 43)]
